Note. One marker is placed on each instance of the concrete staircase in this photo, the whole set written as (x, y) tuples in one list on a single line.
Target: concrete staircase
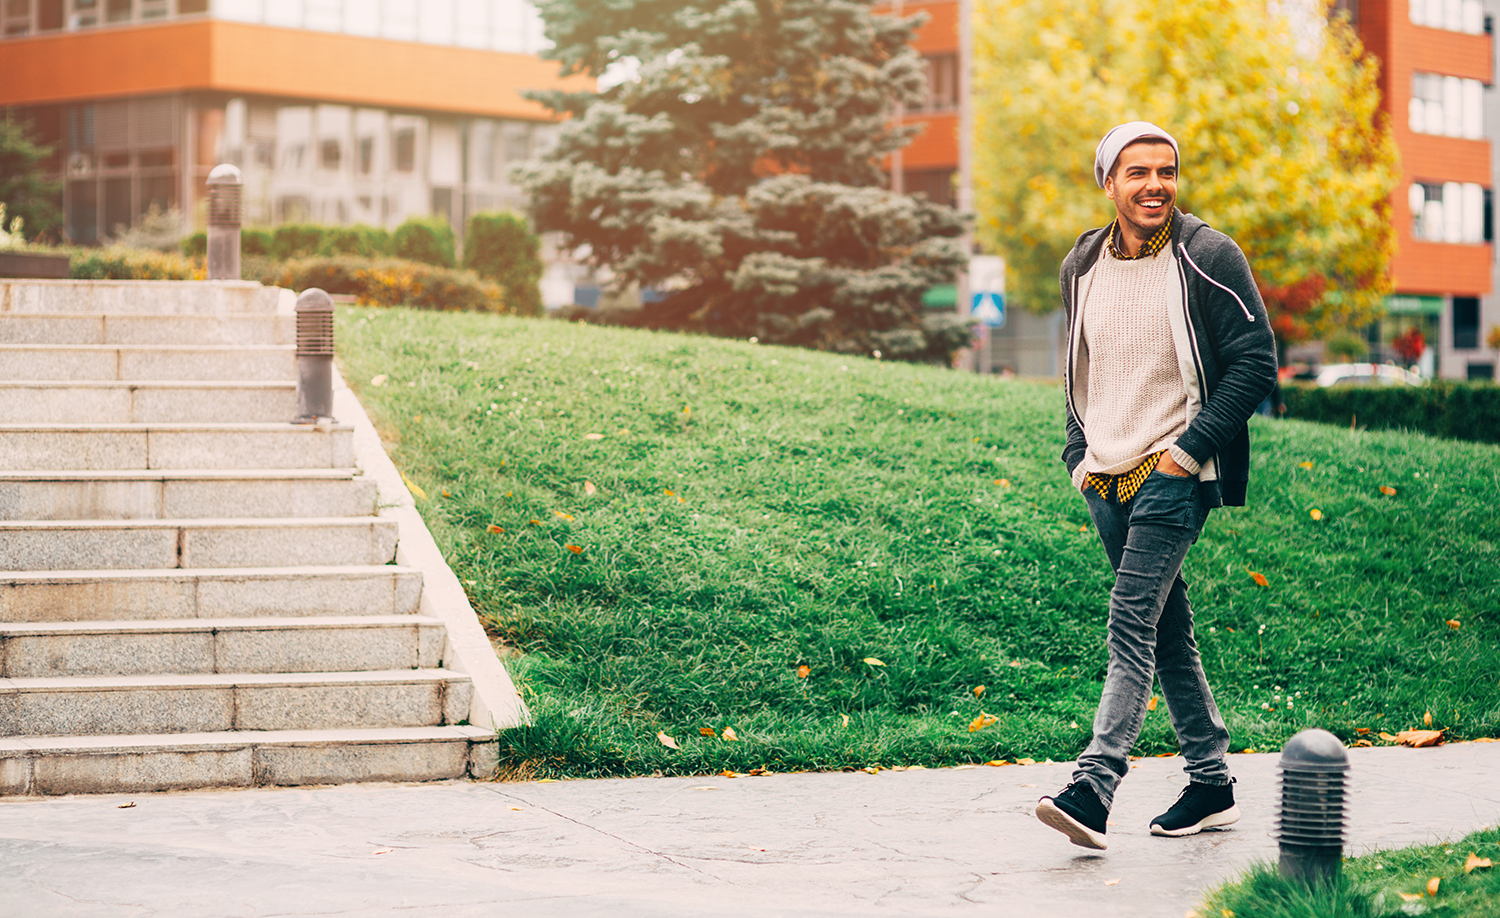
[(195, 592)]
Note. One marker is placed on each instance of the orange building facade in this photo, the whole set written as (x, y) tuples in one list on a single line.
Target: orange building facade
[(335, 112), (930, 163)]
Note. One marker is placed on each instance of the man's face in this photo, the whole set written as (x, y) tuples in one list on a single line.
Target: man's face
[(1144, 187)]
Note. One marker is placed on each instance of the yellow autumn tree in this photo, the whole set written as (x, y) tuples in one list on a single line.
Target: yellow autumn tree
[(1277, 115)]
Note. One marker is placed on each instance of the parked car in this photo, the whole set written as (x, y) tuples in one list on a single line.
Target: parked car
[(1366, 374)]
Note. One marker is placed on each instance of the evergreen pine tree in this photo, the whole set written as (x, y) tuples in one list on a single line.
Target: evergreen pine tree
[(24, 188), (739, 170)]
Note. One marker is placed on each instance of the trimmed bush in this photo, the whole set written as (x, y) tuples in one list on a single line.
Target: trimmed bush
[(360, 239), (119, 263), (253, 242), (1443, 408), (297, 240), (503, 248), (392, 282), (425, 239)]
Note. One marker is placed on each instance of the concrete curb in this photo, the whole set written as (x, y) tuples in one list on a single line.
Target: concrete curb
[(496, 705)]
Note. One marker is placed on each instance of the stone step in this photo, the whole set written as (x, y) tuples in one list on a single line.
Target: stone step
[(121, 705), (205, 298), (153, 402), (60, 545), (234, 645), (176, 446), (97, 596), (188, 494), (184, 761), (147, 362), (40, 328)]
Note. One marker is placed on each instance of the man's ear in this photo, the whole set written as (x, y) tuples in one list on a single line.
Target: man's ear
[(1109, 187)]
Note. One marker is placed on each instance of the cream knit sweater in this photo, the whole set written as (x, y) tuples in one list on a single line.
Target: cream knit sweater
[(1136, 401)]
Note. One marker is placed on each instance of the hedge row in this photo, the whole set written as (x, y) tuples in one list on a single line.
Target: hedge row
[(392, 282), (1443, 408), (119, 263), (426, 239)]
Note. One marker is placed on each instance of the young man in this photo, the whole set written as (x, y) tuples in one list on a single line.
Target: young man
[(1169, 353)]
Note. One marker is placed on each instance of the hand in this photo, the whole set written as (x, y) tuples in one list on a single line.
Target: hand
[(1168, 466)]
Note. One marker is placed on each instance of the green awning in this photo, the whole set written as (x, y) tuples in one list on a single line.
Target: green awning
[(943, 296), (1406, 304)]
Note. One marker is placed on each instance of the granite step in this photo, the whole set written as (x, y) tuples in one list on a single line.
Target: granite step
[(95, 362), (212, 703), (70, 447), (138, 297), (232, 645), (138, 494), (60, 545), (185, 761), (100, 596), (41, 328), (148, 402)]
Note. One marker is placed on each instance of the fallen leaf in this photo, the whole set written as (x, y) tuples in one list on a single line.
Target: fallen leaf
[(493, 528), (873, 662), (1363, 743), (668, 492), (1315, 513), (846, 719), (1388, 737), (416, 492), (575, 549), (378, 380), (1259, 578), (419, 417), (667, 740), (1304, 465), (705, 787), (996, 763), (593, 436), (982, 721), (589, 489), (126, 806), (1455, 624), (730, 735), (1409, 897), (383, 850), (547, 781), (1361, 730), (1025, 761), (1003, 482), (706, 731), (1418, 738), (446, 494), (1388, 491), (535, 522), (562, 516), (1114, 882), (1151, 705), (1475, 861), (753, 848), (871, 769), (1433, 884), (726, 773), (758, 772), (516, 808), (1427, 718), (978, 690), (804, 671)]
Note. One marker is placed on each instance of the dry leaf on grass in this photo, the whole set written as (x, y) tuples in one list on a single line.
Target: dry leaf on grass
[(804, 671), (982, 721), (1315, 513), (1025, 761), (1433, 884), (730, 735), (1427, 718), (1419, 738), (873, 661), (1409, 897), (589, 489), (1259, 578), (593, 436), (1304, 465), (1151, 705), (1475, 862), (667, 740), (1388, 491), (411, 486), (1455, 624), (996, 763), (562, 516), (575, 549), (846, 719), (706, 731), (978, 690), (492, 528)]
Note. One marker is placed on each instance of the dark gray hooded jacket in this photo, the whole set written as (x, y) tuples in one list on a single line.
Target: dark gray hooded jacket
[(1225, 349)]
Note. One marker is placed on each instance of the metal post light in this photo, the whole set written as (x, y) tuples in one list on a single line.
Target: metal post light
[(314, 356), (1310, 822), (225, 191)]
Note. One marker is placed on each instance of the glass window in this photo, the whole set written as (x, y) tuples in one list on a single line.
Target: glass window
[(1450, 212), (117, 10), (330, 155), (191, 7), (49, 15), (1465, 322), (17, 16), (366, 155), (405, 144), (1453, 15), (1446, 105)]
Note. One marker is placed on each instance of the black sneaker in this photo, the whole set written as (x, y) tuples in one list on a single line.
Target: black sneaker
[(1198, 807), (1077, 813)]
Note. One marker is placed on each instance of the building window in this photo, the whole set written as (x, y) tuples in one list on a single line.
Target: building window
[(405, 143), (366, 155), (1349, 8), (330, 155), (942, 84), (1450, 212), (935, 184), (1481, 372), (1465, 323), (1453, 15), (1446, 105)]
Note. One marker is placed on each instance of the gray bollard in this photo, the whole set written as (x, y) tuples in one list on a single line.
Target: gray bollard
[(225, 192), (1310, 822), (314, 357)]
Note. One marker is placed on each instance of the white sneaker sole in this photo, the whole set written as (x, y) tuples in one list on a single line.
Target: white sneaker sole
[(1078, 833), (1211, 821)]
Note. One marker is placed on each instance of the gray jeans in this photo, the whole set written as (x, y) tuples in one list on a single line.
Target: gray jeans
[(1151, 632)]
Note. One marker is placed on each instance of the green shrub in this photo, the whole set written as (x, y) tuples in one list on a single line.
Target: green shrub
[(425, 239), (392, 282), (297, 240), (253, 242), (119, 263), (503, 248), (1347, 346), (1443, 408), (360, 239)]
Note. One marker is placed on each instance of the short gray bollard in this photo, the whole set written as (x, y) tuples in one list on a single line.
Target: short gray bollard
[(1310, 822), (314, 357), (225, 194)]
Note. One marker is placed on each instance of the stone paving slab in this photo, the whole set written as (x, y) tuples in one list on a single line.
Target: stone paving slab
[(938, 842)]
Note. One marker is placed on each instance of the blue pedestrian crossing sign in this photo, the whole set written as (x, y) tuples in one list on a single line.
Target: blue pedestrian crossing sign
[(987, 290)]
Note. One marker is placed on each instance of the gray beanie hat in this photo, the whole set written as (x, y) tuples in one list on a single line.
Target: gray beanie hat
[(1121, 137)]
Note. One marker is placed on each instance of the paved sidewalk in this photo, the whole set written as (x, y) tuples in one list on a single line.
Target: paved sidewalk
[(940, 842)]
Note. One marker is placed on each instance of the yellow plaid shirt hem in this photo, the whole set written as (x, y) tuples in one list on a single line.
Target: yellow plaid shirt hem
[(1122, 486)]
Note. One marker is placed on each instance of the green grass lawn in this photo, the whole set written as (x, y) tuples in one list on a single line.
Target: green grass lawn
[(664, 530), (1385, 884)]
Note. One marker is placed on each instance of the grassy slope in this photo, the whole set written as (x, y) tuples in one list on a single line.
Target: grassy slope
[(759, 509), (1387, 883)]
